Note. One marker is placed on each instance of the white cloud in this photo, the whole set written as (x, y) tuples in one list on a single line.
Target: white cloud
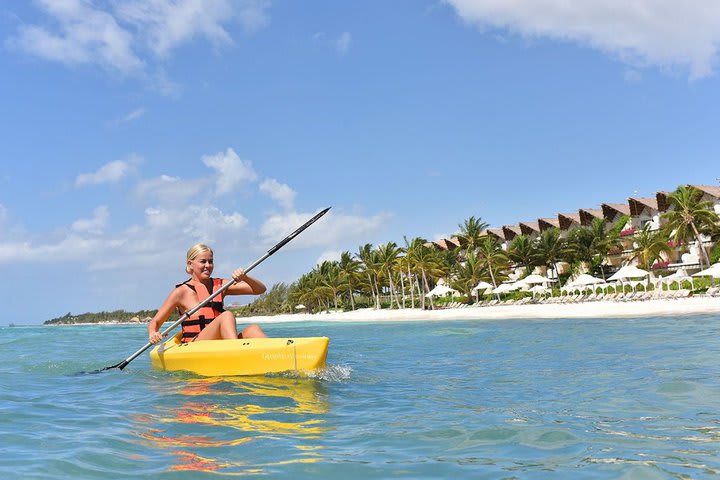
[(80, 34), (134, 115), (167, 189), (111, 172), (329, 256), (342, 44), (95, 225), (164, 236), (118, 35), (196, 223), (208, 223), (69, 248), (279, 192), (632, 76), (664, 33), (168, 24), (327, 231), (231, 170)]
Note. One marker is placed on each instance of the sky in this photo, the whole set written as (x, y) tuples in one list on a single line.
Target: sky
[(131, 130)]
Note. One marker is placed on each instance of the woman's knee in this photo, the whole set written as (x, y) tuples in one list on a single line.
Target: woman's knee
[(226, 316), (253, 331)]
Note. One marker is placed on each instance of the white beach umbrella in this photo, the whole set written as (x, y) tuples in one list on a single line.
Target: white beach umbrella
[(585, 279), (441, 291), (481, 286), (300, 306), (629, 271), (678, 277), (506, 287), (713, 271), (537, 289), (534, 279)]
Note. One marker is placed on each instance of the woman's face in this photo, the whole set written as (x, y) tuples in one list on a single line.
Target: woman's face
[(202, 265)]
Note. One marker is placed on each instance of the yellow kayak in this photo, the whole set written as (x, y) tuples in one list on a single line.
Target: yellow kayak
[(252, 356)]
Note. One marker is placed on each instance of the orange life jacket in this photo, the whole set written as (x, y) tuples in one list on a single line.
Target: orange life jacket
[(200, 319)]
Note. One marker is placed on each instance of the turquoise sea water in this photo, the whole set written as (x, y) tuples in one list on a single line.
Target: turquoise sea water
[(603, 398)]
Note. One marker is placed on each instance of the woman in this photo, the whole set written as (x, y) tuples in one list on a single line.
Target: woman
[(211, 322)]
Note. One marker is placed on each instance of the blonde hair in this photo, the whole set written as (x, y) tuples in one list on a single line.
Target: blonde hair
[(194, 251)]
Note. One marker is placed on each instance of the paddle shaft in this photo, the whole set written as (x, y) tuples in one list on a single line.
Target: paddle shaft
[(190, 312)]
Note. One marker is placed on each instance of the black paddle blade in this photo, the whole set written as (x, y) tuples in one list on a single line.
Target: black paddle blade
[(93, 372)]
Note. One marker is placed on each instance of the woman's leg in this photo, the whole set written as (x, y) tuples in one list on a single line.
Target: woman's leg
[(222, 328), (252, 331)]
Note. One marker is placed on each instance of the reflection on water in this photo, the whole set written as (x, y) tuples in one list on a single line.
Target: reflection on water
[(240, 426)]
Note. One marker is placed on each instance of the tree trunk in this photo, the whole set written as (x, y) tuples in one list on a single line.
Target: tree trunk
[(703, 253), (492, 277), (419, 291), (392, 290), (412, 288), (377, 289), (427, 289)]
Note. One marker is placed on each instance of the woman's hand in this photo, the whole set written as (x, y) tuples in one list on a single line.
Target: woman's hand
[(239, 275), (155, 337)]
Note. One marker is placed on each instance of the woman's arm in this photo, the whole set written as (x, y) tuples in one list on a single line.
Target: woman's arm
[(170, 303), (246, 285)]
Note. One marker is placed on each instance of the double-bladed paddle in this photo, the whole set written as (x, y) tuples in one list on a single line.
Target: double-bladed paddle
[(190, 312)]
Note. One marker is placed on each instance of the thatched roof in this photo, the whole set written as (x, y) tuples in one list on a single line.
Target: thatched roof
[(587, 215), (710, 190), (511, 231), (498, 232), (548, 223), (568, 219), (444, 244), (529, 228), (662, 201), (447, 243), (611, 210), (638, 204)]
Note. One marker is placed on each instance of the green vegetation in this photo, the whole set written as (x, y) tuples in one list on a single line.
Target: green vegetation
[(118, 316)]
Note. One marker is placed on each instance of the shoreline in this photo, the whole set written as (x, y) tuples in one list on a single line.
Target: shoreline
[(699, 305), (648, 308)]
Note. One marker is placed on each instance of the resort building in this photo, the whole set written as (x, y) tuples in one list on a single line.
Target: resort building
[(637, 213)]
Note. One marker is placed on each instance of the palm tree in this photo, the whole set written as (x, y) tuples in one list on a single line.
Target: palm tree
[(350, 268), (689, 216), (649, 246), (471, 233), (549, 249), (310, 291), (388, 255), (579, 246), (368, 259), (606, 240), (332, 278), (492, 258), (522, 252), (468, 274), (424, 262)]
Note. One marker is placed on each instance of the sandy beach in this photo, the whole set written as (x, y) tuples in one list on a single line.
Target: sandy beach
[(649, 308)]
